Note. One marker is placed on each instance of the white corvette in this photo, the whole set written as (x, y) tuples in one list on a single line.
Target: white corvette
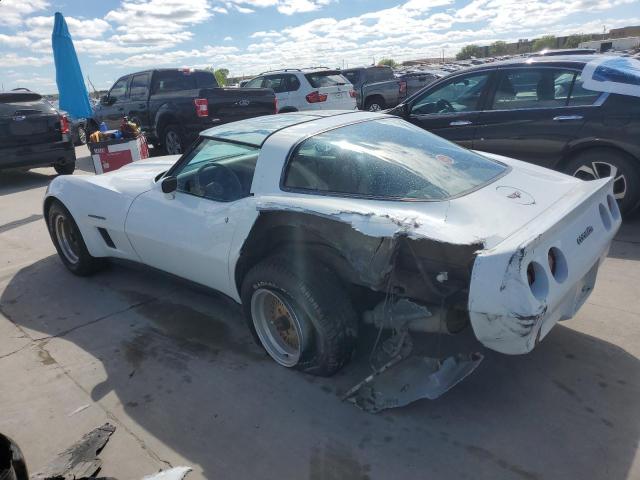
[(315, 222)]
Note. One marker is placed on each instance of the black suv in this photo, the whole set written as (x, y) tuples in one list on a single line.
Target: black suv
[(33, 133), (537, 110)]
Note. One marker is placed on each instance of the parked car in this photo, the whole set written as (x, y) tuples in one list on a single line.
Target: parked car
[(173, 105), (376, 87), (33, 133), (307, 89), (417, 80), (537, 110), (79, 127), (296, 216)]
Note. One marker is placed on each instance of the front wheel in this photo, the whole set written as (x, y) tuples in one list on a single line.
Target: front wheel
[(601, 163), (69, 243), (303, 321), (81, 135)]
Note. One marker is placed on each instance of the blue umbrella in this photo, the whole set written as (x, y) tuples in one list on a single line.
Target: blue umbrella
[(74, 98)]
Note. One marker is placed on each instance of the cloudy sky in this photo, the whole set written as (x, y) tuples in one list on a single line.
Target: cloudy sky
[(114, 37)]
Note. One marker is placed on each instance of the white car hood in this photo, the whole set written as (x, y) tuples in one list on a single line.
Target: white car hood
[(134, 178)]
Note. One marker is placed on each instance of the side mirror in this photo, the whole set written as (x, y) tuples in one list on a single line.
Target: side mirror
[(169, 184)]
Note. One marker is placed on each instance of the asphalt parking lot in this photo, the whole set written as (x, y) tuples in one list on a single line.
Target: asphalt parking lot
[(174, 368)]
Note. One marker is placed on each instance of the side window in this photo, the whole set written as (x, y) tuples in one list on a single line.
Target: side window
[(254, 83), (139, 89), (119, 91), (581, 96), (173, 81), (219, 171), (461, 94), (277, 83), (533, 88), (293, 83), (352, 76), (381, 74)]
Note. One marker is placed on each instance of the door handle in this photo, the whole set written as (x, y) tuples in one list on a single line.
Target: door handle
[(459, 123), (567, 118), (121, 109)]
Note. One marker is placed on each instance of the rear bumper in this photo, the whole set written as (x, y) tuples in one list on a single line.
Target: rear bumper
[(511, 314), (38, 155)]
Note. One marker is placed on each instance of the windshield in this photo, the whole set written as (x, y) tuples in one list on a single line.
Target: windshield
[(387, 159)]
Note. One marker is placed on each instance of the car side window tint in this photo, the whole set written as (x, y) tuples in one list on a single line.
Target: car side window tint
[(581, 96), (461, 94), (254, 83), (139, 89), (218, 170), (119, 91), (533, 88), (277, 83), (293, 83)]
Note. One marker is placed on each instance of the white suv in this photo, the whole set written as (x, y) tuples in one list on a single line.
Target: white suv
[(308, 89)]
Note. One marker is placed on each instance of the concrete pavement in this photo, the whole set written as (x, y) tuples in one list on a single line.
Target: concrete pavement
[(174, 368)]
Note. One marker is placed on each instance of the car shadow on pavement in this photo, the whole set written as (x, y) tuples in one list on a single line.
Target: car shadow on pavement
[(178, 366), (626, 242), (13, 181)]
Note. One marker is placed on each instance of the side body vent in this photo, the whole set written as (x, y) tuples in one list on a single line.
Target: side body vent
[(106, 237)]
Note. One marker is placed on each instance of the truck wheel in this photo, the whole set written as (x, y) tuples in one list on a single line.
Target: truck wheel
[(303, 321), (81, 135), (173, 140), (374, 104), (598, 163), (65, 168), (69, 243)]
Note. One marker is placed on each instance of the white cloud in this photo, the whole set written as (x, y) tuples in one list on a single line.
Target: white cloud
[(14, 41), (148, 22), (13, 12), (228, 39), (14, 60), (41, 27), (286, 7)]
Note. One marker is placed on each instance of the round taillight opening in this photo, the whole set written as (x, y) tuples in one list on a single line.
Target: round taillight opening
[(604, 215), (557, 264), (538, 280), (613, 207)]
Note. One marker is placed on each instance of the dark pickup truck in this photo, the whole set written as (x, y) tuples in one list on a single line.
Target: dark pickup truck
[(33, 133), (376, 87), (173, 105)]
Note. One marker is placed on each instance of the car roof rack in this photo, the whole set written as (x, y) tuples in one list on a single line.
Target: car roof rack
[(281, 70)]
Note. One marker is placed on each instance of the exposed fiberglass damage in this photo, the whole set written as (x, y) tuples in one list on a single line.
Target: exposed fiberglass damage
[(79, 461), (420, 284)]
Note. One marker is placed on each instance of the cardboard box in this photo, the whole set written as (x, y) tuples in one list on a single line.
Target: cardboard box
[(110, 155)]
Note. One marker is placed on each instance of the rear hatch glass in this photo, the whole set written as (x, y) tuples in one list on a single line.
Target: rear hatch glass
[(26, 118), (330, 82)]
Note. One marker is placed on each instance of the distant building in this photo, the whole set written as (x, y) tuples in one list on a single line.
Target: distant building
[(616, 44)]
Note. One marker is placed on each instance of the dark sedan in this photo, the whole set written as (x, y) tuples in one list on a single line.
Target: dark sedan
[(537, 110), (33, 133)]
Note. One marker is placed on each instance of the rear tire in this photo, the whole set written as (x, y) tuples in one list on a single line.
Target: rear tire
[(602, 162), (374, 104), (312, 310), (65, 168), (173, 140), (69, 243)]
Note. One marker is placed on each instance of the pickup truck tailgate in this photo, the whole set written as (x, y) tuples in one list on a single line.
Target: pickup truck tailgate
[(233, 104)]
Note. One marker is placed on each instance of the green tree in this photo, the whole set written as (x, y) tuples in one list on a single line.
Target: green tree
[(546, 41), (389, 62), (574, 41), (470, 51), (498, 48), (221, 75)]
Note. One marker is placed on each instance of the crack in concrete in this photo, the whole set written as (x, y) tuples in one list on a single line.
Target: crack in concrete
[(40, 345)]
